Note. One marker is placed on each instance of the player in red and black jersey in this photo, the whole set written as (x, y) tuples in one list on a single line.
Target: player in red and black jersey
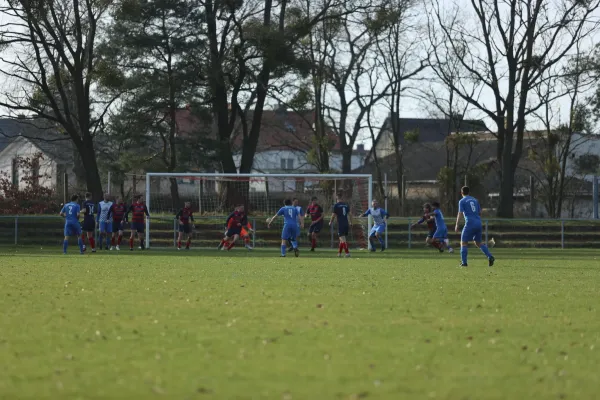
[(117, 210), (138, 211), (235, 221), (185, 216), (431, 226), (316, 215), (88, 226)]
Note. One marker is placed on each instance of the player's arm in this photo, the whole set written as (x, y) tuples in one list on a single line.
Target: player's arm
[(333, 216), (146, 211), (126, 216), (179, 214), (62, 212), (98, 213), (419, 222), (270, 220), (461, 211), (366, 214)]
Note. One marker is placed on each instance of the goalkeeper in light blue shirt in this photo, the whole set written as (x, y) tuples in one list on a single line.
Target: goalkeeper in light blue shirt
[(380, 217)]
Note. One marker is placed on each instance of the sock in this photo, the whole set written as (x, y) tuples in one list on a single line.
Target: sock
[(189, 242), (223, 242), (83, 237), (230, 245), (314, 243), (341, 247), (290, 242), (80, 243), (381, 240), (485, 250), (294, 244), (464, 250), (112, 241), (92, 242), (131, 243), (142, 243), (346, 247), (179, 244), (247, 240), (119, 240), (65, 245), (107, 240), (283, 249)]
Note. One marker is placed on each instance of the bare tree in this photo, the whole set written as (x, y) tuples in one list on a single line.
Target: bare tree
[(506, 48), (49, 48)]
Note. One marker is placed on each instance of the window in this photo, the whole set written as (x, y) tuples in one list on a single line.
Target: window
[(35, 171), (287, 163), (15, 172)]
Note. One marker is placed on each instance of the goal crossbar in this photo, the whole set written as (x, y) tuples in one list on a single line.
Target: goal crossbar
[(150, 175)]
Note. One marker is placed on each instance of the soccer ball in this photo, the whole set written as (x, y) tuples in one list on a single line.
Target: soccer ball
[(491, 242)]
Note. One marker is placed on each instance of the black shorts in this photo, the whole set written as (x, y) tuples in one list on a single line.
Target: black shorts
[(185, 228), (431, 233), (138, 227), (343, 230), (117, 226), (316, 228), (88, 226), (231, 232)]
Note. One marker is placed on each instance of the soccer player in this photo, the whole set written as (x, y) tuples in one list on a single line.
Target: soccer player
[(234, 223), (138, 223), (380, 217), (290, 226), (440, 236), (341, 212), (430, 223), (104, 220), (298, 223), (70, 212), (118, 210), (470, 209), (184, 216), (316, 215), (89, 222)]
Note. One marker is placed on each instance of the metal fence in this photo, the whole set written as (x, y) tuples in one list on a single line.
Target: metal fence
[(516, 233)]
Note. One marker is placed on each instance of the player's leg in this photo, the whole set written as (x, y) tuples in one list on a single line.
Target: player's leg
[(286, 233), (464, 247), (372, 238), (234, 237), (179, 237), (68, 232), (483, 247), (188, 243), (90, 236), (108, 226), (379, 234), (438, 239), (132, 236), (140, 232)]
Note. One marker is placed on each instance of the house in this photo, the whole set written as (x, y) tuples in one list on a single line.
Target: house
[(24, 138), (421, 130), (286, 145)]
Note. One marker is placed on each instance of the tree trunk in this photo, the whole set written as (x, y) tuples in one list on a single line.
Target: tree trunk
[(92, 176), (174, 193)]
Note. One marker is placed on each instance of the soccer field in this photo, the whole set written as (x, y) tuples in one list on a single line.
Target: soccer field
[(241, 325)]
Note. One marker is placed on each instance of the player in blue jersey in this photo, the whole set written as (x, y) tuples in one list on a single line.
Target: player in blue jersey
[(341, 212), (290, 226), (440, 237), (380, 217), (299, 223), (70, 212), (470, 209), (104, 220), (89, 222)]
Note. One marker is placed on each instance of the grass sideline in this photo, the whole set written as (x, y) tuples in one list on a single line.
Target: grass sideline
[(393, 325)]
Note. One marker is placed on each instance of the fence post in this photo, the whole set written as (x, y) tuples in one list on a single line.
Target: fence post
[(253, 232), (16, 230), (562, 233), (486, 232), (595, 196), (409, 234)]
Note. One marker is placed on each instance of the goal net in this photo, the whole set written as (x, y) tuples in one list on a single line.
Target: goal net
[(214, 196)]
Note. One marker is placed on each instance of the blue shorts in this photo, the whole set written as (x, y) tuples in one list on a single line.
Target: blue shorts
[(290, 232), (138, 227), (380, 229), (106, 227), (441, 233), (316, 228), (117, 226), (72, 229), (471, 233), (88, 226)]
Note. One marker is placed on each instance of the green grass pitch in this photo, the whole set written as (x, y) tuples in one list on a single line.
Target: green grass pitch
[(240, 325)]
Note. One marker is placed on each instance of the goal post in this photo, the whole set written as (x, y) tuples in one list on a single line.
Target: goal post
[(213, 194)]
